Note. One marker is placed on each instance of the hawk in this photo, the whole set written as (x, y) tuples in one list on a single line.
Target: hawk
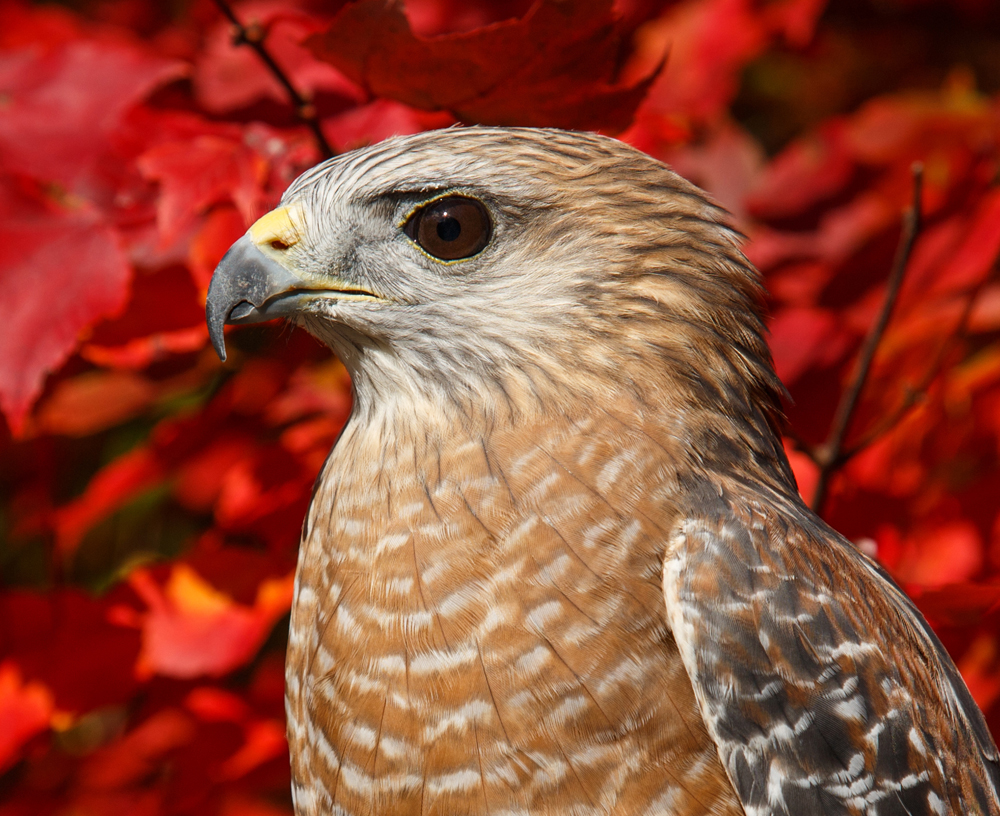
[(556, 562)]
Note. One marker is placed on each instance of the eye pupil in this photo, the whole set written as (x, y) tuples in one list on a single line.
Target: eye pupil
[(450, 228)]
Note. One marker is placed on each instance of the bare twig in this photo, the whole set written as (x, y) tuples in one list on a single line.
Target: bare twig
[(253, 35), (916, 393), (830, 456)]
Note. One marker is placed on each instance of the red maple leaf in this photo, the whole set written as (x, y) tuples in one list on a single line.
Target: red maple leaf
[(557, 65)]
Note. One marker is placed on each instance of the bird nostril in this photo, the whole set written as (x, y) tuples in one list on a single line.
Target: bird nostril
[(240, 310), (277, 243)]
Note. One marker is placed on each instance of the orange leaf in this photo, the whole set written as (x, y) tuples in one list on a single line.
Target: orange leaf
[(192, 629), (112, 487), (94, 401), (945, 554), (265, 740), (25, 710), (140, 352)]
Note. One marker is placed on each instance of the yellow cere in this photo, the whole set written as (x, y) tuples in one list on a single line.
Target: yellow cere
[(280, 228)]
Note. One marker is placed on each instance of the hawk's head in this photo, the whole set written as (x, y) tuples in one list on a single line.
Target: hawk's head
[(508, 269)]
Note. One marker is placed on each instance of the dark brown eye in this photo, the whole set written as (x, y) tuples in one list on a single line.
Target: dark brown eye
[(450, 228)]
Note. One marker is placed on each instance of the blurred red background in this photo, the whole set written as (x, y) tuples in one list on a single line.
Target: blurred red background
[(151, 497)]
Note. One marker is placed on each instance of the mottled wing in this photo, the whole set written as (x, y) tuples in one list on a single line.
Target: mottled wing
[(823, 688)]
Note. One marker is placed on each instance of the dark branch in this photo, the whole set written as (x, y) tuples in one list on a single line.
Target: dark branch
[(830, 456), (801, 444), (915, 394), (253, 36)]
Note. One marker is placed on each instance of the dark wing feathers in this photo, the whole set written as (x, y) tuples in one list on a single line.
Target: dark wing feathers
[(822, 686)]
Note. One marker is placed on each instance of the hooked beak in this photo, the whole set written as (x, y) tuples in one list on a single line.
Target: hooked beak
[(248, 287)]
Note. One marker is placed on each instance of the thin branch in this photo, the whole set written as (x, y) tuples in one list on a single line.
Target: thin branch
[(830, 455), (916, 393), (253, 35)]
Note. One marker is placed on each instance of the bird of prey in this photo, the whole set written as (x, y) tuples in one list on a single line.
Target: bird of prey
[(556, 562)]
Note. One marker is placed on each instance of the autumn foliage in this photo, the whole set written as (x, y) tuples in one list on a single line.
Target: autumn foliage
[(151, 497)]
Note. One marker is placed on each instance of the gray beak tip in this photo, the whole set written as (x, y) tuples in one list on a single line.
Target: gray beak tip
[(216, 327), (220, 349)]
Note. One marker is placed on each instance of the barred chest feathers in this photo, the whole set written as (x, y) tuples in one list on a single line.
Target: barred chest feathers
[(504, 659)]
